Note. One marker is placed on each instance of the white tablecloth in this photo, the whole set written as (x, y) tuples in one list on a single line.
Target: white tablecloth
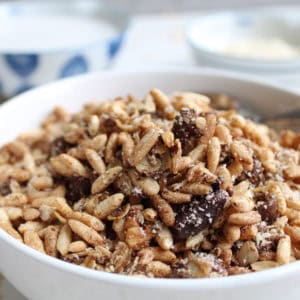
[(155, 41)]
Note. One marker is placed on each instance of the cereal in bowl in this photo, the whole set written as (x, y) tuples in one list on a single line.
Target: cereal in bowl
[(164, 186)]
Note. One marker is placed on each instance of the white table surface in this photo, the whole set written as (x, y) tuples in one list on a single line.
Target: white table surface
[(155, 41)]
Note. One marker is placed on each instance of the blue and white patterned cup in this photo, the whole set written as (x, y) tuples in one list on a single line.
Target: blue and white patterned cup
[(21, 70)]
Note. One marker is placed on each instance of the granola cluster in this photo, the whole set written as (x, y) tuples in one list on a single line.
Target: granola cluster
[(157, 187)]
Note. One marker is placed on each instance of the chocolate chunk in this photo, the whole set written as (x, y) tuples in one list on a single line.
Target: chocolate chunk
[(268, 239), (229, 190), (109, 124), (267, 207), (135, 198), (268, 246), (256, 176), (216, 185), (58, 146), (73, 258), (226, 155), (180, 269), (199, 214), (110, 233), (77, 188), (185, 129), (4, 189)]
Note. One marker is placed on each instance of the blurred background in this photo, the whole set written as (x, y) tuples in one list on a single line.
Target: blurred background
[(158, 6), (42, 41)]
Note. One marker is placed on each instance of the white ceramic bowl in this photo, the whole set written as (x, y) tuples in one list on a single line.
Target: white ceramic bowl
[(42, 41), (209, 34), (39, 276)]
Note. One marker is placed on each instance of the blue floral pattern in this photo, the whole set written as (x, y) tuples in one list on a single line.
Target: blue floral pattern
[(2, 95), (114, 45), (22, 64), (76, 65), (23, 88)]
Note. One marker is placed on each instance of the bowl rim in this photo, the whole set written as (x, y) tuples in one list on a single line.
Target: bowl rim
[(249, 279), (236, 60), (58, 7)]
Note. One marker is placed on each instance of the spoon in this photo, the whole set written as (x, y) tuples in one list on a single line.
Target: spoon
[(287, 120), (278, 121)]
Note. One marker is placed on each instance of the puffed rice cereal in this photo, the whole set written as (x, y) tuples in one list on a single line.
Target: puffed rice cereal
[(178, 186)]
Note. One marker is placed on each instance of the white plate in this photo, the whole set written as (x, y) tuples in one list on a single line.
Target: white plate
[(208, 35)]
